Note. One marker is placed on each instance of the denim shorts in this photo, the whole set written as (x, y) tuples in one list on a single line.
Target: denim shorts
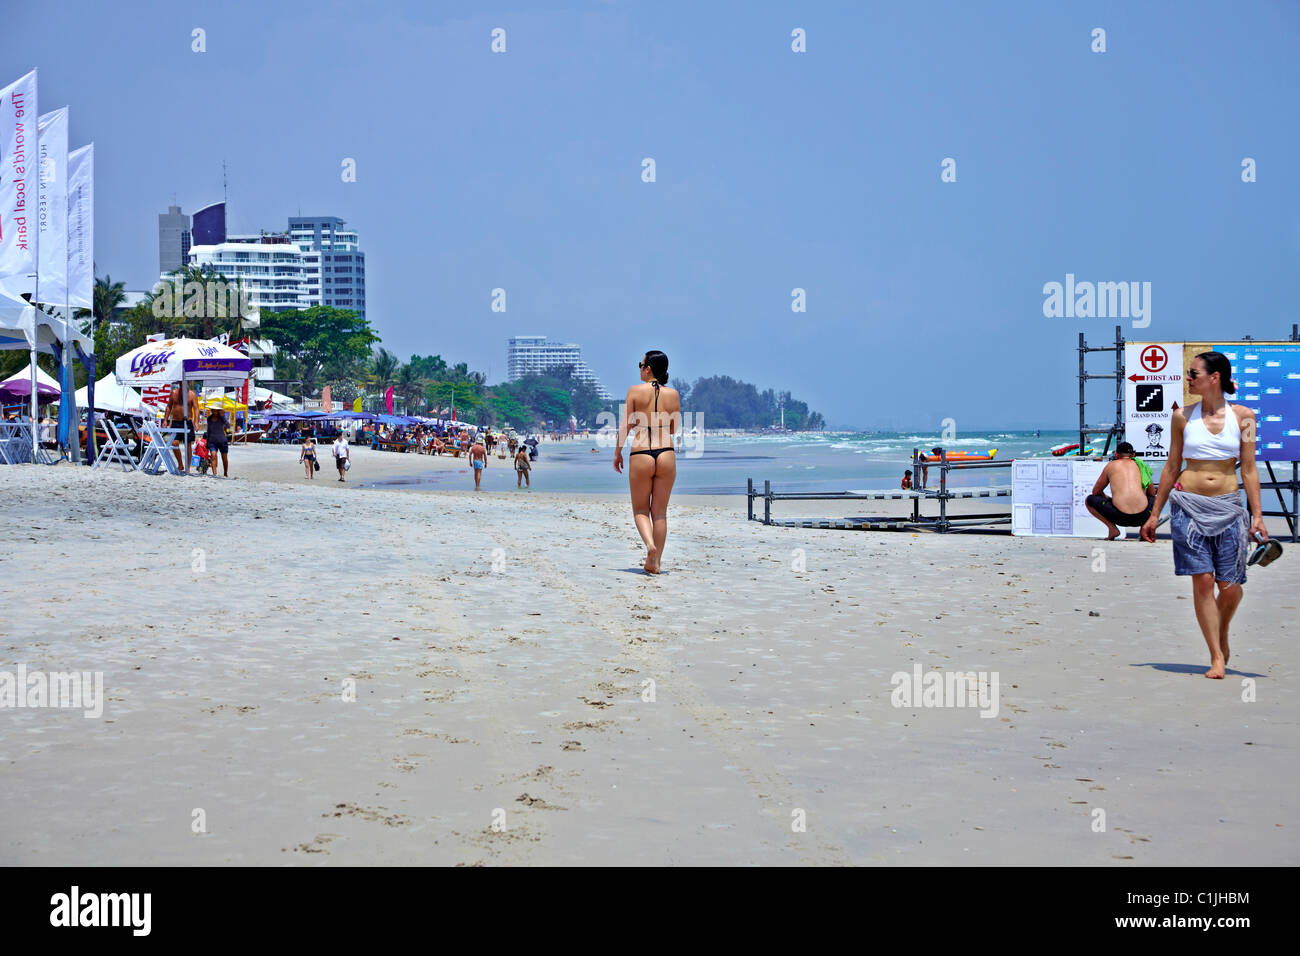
[(1215, 555)]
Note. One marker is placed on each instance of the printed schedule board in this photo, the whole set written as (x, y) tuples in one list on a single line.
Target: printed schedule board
[(1049, 495), (1268, 383)]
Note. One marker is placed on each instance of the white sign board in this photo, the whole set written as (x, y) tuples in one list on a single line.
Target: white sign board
[(1153, 387), (1048, 497)]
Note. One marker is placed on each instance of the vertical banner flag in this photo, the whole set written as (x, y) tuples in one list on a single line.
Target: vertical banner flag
[(356, 405), (80, 278), (17, 186), (52, 206), (81, 228), (388, 399), (327, 403), (52, 244)]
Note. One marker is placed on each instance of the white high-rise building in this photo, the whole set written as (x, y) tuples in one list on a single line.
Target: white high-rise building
[(532, 355), (272, 269)]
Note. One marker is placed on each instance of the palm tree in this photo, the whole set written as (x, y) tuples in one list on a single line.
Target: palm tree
[(107, 296), (383, 369), (410, 384), (216, 311)]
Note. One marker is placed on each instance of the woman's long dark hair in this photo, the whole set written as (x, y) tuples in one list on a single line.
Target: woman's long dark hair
[(658, 363), (1218, 362)]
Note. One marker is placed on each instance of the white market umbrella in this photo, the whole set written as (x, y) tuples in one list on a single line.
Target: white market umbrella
[(175, 360)]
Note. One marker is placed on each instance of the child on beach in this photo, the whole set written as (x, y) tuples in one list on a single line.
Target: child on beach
[(907, 480), (522, 467)]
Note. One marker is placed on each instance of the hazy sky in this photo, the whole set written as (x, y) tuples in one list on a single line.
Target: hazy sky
[(775, 170)]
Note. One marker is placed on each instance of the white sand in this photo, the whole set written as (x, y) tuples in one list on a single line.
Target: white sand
[(520, 688)]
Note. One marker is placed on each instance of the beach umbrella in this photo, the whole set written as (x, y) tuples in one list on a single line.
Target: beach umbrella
[(19, 385), (174, 360), (223, 402)]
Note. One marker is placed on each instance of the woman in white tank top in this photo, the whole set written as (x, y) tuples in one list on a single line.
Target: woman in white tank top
[(1211, 530)]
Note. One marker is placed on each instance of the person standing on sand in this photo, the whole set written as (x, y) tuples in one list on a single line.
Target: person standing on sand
[(218, 441), (478, 461), (652, 463), (342, 455), (176, 417), (1130, 507), (1210, 528), (522, 468)]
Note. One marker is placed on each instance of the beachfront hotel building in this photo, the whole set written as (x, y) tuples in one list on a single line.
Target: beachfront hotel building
[(533, 354), (316, 261)]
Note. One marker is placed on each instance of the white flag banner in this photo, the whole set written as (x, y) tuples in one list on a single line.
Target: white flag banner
[(81, 227), (52, 207), (18, 187)]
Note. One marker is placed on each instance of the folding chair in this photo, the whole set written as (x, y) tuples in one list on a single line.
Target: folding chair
[(8, 454), (116, 449), (158, 453), (15, 442)]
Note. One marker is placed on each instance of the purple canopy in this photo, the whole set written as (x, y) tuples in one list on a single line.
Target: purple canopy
[(15, 390)]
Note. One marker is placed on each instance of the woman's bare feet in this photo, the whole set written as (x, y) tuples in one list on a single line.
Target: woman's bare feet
[(1218, 668), (651, 565)]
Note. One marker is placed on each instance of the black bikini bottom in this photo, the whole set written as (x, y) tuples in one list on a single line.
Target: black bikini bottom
[(652, 452)]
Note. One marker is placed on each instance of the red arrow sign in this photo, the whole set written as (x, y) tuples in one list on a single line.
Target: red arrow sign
[(1137, 378)]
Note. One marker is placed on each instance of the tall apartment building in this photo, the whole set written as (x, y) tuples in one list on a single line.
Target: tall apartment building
[(532, 355), (316, 262), (336, 266), (173, 239)]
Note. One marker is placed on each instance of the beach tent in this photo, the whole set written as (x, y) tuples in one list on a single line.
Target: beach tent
[(278, 399), (19, 386), (23, 326), (111, 397)]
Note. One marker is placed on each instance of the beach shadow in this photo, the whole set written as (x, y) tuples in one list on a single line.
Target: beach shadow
[(1197, 669), (641, 571)]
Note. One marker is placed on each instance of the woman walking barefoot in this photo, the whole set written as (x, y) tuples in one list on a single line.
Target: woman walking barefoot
[(1208, 523), (651, 413)]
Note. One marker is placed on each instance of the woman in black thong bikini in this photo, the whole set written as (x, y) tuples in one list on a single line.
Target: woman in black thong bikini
[(652, 463)]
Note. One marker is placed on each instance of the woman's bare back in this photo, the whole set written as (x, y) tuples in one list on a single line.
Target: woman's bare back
[(658, 426)]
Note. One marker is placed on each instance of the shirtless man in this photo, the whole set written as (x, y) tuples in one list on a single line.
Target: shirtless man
[(478, 461), (175, 417), (1131, 504)]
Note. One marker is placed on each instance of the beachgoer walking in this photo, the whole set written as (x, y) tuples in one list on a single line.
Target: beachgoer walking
[(652, 463), (1210, 528), (218, 441), (1130, 505), (522, 469), (342, 457), (308, 456), (478, 461)]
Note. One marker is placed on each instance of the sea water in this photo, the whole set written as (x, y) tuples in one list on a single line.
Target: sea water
[(805, 461)]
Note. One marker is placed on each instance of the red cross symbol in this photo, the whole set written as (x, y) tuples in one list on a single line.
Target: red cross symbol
[(1154, 358)]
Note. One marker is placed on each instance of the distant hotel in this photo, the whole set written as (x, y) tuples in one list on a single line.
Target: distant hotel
[(532, 355), (315, 262)]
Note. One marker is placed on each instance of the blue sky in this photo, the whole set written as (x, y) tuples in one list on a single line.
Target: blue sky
[(775, 170)]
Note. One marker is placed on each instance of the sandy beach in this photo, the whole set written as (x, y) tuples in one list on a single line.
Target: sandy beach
[(513, 666)]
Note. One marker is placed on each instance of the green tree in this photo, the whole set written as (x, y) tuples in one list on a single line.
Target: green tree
[(319, 337)]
